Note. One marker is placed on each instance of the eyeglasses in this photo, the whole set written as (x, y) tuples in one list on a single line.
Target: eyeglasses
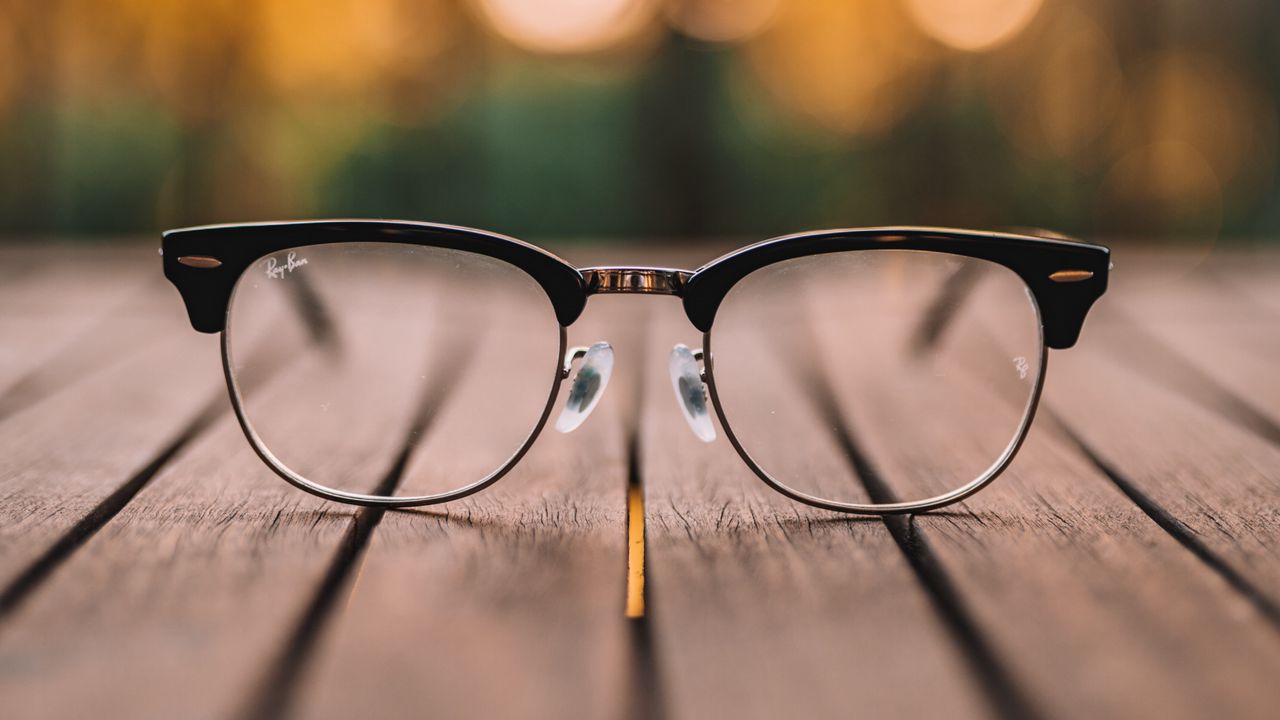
[(394, 364)]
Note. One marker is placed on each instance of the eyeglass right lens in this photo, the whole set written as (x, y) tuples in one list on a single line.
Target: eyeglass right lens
[(878, 376)]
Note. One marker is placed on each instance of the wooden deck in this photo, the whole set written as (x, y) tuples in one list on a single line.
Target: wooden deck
[(1128, 565)]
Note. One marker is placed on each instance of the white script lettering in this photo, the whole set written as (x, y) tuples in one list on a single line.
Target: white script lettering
[(276, 271)]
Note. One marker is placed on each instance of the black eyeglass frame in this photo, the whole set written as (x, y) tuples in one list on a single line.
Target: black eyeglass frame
[(1065, 279)]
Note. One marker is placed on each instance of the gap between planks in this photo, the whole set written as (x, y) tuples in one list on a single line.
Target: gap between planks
[(1180, 376), (42, 566), (1128, 342), (280, 684), (635, 538), (364, 525), (1170, 523), (645, 691), (111, 337), (279, 689), (997, 682), (29, 579)]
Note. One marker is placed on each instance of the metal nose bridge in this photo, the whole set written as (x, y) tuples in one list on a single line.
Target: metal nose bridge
[(639, 280)]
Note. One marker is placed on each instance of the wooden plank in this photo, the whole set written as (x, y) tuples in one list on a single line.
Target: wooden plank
[(1218, 478), (184, 578), (211, 566), (761, 607), (1204, 337), (59, 463), (18, 259), (63, 460), (68, 314), (1250, 274), (1053, 556), (217, 564), (509, 602)]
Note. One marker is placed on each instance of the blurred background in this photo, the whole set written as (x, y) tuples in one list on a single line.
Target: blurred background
[(642, 118)]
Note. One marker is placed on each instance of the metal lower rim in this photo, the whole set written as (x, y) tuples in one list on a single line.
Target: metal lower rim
[(900, 508), (383, 501)]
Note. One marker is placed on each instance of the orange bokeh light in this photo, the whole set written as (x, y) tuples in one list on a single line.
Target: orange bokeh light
[(568, 26), (342, 46), (8, 63), (853, 68), (1197, 99), (1058, 93), (721, 20), (972, 24), (1195, 135)]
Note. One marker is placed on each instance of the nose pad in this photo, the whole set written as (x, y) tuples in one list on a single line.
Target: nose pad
[(686, 380), (588, 385)]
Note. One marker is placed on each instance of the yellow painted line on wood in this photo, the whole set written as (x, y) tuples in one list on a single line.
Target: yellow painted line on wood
[(635, 552)]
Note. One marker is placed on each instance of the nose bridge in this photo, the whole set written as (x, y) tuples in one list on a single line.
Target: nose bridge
[(635, 280)]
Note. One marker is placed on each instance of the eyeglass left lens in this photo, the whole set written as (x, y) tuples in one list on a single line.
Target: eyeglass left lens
[(390, 369)]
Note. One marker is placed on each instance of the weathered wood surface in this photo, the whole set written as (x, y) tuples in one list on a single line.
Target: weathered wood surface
[(1126, 565)]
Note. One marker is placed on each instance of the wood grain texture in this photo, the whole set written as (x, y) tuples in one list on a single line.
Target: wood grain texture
[(62, 458), (67, 313), (216, 564), (176, 606), (507, 603), (1203, 337), (1124, 566), (1210, 468), (761, 607), (1250, 275), (1090, 604), (1036, 581)]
